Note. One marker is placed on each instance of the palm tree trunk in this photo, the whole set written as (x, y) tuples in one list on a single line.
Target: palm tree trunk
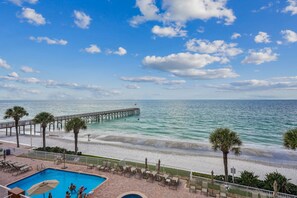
[(225, 158), (75, 141), (43, 137), (17, 132)]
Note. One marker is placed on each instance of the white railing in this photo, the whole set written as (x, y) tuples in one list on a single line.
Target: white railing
[(242, 188)]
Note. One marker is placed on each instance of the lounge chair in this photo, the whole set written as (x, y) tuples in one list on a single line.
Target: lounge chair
[(107, 167), (23, 169), (162, 182), (174, 183), (102, 167), (138, 174), (127, 171), (204, 189), (90, 166), (120, 170), (114, 168)]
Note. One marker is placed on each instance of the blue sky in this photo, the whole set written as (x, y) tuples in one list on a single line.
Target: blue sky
[(146, 49)]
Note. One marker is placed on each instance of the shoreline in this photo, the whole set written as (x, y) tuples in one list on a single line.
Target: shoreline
[(191, 161)]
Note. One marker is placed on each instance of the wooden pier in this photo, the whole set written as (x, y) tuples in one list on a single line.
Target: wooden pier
[(60, 121)]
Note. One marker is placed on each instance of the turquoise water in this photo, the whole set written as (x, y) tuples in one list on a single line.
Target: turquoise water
[(65, 178), (182, 125)]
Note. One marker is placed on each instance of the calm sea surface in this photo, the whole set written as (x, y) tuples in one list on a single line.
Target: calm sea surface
[(258, 122)]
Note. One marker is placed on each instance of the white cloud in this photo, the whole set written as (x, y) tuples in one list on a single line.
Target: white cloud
[(292, 7), (13, 75), (279, 42), (262, 37), (27, 69), (189, 65), (217, 47), (168, 31), (32, 17), (179, 61), (20, 2), (153, 79), (265, 7), (49, 41), (54, 84), (19, 90), (180, 12), (132, 86), (121, 51), (261, 56), (235, 35), (82, 20), (4, 64), (207, 73), (289, 35), (287, 83), (93, 49)]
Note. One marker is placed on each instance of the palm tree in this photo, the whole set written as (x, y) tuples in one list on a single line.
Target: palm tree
[(290, 139), (43, 118), (75, 124), (16, 113), (225, 140)]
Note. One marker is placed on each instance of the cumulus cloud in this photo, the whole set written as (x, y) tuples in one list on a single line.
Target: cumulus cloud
[(235, 35), (121, 51), (262, 37), (261, 56), (93, 49), (20, 2), (292, 7), (132, 86), (153, 79), (13, 75), (179, 61), (32, 17), (189, 65), (289, 35), (168, 31), (27, 69), (4, 64), (217, 47), (180, 12), (82, 20), (49, 41)]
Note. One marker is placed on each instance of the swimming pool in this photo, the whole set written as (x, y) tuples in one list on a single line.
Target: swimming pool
[(65, 178)]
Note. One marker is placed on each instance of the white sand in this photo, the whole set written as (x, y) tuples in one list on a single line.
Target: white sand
[(203, 164)]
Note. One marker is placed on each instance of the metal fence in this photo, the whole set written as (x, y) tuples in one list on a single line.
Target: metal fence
[(60, 158), (237, 190)]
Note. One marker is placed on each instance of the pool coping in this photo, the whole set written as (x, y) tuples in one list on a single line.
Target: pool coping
[(80, 172), (132, 192)]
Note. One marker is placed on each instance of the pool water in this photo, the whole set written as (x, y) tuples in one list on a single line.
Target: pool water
[(65, 178), (132, 196)]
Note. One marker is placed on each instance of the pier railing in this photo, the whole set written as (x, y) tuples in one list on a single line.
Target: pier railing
[(62, 120)]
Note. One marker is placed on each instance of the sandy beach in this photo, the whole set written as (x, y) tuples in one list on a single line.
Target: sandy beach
[(203, 164)]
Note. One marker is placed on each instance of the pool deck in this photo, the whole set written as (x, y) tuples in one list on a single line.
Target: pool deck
[(114, 186)]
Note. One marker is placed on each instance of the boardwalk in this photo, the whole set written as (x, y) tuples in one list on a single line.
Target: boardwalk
[(61, 120)]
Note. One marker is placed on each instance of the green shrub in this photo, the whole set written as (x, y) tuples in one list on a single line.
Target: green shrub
[(282, 182), (57, 150)]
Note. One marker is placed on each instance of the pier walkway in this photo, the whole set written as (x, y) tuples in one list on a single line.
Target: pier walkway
[(62, 120)]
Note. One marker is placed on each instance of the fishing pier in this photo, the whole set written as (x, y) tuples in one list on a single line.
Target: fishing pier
[(60, 121)]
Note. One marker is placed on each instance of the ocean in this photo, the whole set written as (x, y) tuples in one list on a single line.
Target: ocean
[(183, 125)]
